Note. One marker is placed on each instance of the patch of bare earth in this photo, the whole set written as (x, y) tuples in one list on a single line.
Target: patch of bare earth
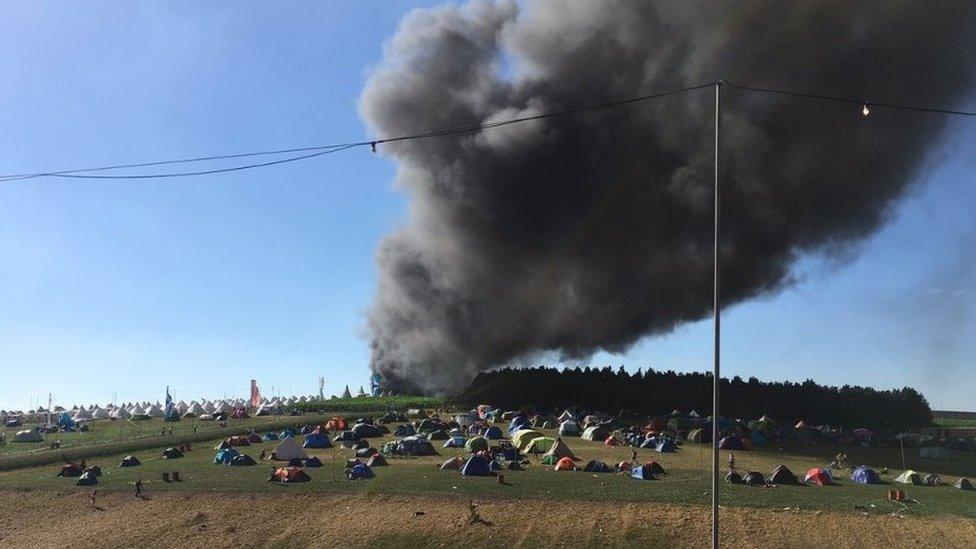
[(67, 520)]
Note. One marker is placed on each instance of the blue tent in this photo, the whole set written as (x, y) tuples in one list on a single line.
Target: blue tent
[(317, 440), (455, 442), (288, 432), (510, 453), (517, 423), (666, 445), (360, 471), (865, 475), (64, 420), (493, 433), (649, 443), (269, 436), (476, 466), (225, 456), (642, 472)]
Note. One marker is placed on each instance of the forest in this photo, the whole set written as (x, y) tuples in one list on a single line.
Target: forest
[(650, 392)]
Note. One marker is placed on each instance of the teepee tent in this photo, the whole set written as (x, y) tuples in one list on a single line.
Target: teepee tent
[(288, 449)]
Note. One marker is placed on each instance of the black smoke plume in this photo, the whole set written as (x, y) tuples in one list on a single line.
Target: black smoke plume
[(587, 232)]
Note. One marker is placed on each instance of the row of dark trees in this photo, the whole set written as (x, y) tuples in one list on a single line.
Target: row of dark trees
[(658, 393)]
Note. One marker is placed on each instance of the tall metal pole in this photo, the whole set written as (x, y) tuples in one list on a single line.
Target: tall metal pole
[(718, 322)]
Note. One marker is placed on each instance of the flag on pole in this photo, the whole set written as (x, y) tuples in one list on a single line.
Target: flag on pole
[(169, 403), (255, 394)]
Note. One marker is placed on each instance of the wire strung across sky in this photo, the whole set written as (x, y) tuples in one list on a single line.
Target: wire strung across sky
[(322, 150)]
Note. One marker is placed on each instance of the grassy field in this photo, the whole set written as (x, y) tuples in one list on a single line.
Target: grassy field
[(686, 483), (947, 422)]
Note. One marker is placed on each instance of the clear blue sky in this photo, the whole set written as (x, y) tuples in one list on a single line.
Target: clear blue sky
[(123, 287)]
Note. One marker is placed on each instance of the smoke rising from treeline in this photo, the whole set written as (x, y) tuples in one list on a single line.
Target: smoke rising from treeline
[(587, 232)]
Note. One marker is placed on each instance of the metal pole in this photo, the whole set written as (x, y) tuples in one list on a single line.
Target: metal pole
[(718, 323)]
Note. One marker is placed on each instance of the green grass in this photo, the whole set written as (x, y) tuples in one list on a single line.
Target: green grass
[(947, 422), (108, 436), (687, 481)]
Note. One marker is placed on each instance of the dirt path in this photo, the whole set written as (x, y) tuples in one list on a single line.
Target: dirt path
[(48, 519)]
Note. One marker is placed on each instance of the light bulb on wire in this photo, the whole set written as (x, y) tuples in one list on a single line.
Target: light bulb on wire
[(865, 110)]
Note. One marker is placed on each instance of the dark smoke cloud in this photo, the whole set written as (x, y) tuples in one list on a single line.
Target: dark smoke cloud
[(586, 233)]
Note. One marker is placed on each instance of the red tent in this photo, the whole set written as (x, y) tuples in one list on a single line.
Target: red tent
[(337, 424), (238, 440), (817, 476), (611, 441), (565, 464)]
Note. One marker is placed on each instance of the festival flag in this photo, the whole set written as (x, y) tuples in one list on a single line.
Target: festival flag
[(255, 394)]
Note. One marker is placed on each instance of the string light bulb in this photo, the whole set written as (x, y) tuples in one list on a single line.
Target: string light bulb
[(865, 110)]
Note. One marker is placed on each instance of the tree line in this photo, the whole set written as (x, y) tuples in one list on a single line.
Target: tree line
[(653, 392)]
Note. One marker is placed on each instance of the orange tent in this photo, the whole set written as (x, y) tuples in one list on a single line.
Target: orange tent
[(565, 464), (290, 474), (337, 424)]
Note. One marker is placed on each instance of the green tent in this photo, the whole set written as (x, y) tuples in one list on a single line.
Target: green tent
[(597, 432), (549, 459), (476, 444), (523, 437), (700, 436), (538, 445), (909, 477)]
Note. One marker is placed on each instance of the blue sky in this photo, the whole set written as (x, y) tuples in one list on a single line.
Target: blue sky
[(118, 288)]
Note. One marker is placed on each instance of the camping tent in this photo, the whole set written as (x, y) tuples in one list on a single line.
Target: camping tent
[(28, 435), (783, 475), (453, 463), (361, 471), (523, 437), (493, 433), (130, 461), (317, 440), (565, 464), (964, 484), (290, 474), (287, 449), (376, 460), (820, 477), (559, 450), (225, 456), (538, 445), (666, 445), (365, 430), (172, 453), (87, 478), (731, 442), (647, 471), (865, 475), (909, 477), (69, 470), (596, 466), (405, 430), (754, 478), (455, 442), (596, 432), (569, 428), (416, 446), (476, 444), (699, 435), (243, 460), (476, 466)]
